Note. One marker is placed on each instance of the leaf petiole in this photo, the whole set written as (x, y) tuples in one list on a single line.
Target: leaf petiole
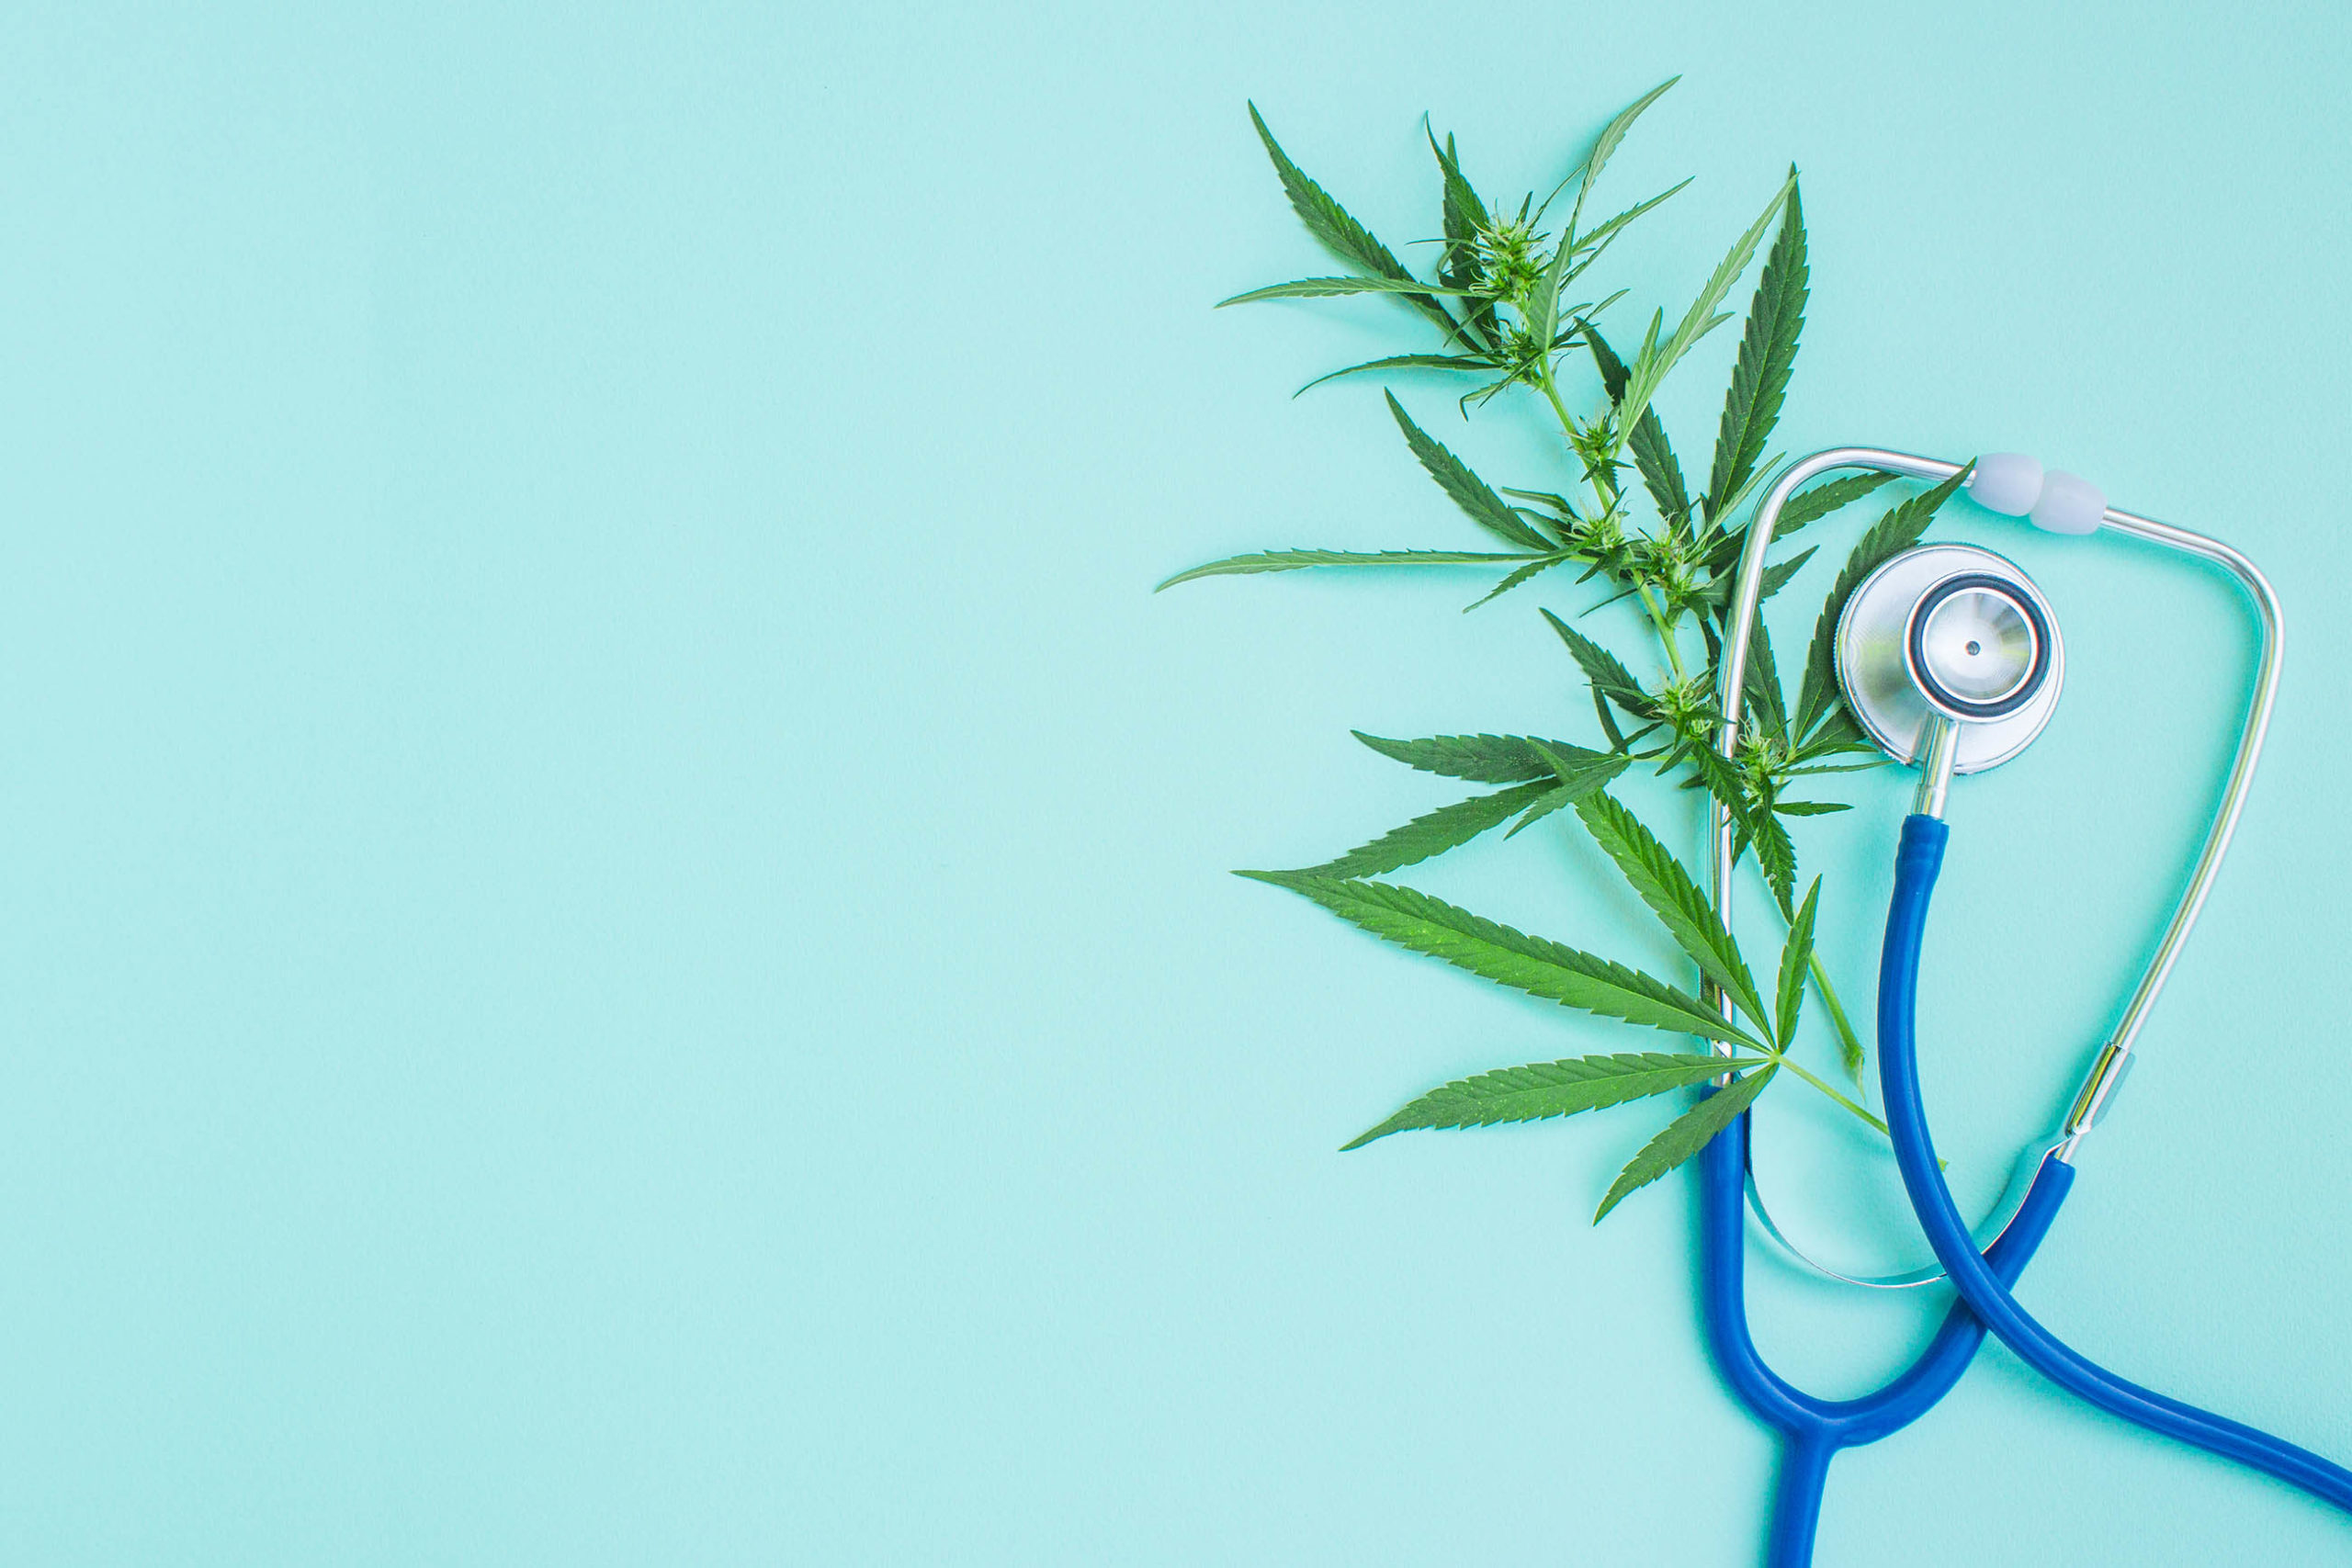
[(1782, 1058)]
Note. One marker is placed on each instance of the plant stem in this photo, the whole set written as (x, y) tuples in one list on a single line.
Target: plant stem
[(1782, 1058), (1849, 1047), (1665, 632)]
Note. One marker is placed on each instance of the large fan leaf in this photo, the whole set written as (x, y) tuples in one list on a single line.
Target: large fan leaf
[(1545, 1089), (1508, 957), (1651, 365)]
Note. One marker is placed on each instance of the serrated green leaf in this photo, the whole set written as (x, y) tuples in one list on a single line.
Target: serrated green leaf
[(1767, 353), (1776, 855), (1653, 454), (1888, 537), (1795, 954), (1463, 215), (1590, 245), (1339, 234), (1688, 915), (1816, 502), (1650, 366), (1580, 773), (1466, 489), (1777, 576), (1810, 808), (1685, 1136), (1402, 362), (1766, 706), (1293, 560), (1483, 759), (1608, 677), (1542, 1090), (1512, 958), (1532, 569), (1332, 288), (1433, 833), (1605, 145)]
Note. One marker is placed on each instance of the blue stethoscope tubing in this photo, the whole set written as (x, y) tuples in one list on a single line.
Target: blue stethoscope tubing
[(1986, 1291), (1813, 1429)]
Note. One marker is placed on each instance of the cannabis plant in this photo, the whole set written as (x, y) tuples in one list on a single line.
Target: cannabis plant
[(1499, 309)]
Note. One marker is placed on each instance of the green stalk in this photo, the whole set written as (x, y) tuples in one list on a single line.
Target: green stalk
[(1848, 1045), (1665, 632), (1782, 1057)]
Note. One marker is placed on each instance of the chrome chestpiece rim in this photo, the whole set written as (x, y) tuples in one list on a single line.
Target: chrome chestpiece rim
[(1957, 631)]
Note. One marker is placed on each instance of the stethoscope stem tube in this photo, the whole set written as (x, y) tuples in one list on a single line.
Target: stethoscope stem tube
[(1814, 1429), (1985, 1289)]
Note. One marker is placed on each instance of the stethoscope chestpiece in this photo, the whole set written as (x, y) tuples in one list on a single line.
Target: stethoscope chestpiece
[(1956, 632)]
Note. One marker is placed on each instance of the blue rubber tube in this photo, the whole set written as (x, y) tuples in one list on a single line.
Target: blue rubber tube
[(1814, 1429), (1987, 1290)]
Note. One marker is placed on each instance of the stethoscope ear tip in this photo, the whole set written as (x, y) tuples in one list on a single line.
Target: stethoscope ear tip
[(2016, 485)]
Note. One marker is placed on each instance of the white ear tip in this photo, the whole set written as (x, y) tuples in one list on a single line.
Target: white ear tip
[(2008, 482), (2069, 504)]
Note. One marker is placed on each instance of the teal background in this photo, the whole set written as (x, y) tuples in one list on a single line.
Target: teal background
[(617, 940)]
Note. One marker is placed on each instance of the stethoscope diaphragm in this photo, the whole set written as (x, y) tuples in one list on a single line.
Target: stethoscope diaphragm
[(1955, 632)]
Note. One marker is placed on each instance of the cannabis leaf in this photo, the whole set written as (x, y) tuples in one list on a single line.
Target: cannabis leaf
[(1468, 491), (1650, 366), (1607, 674), (1796, 954), (1685, 1136), (1652, 456), (1508, 957), (1444, 828), (1292, 561), (1343, 235), (1816, 502), (1486, 759), (1544, 1090), (1688, 914), (1578, 776), (1767, 354)]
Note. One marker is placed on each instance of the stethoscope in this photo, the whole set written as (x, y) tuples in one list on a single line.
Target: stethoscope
[(1951, 660)]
